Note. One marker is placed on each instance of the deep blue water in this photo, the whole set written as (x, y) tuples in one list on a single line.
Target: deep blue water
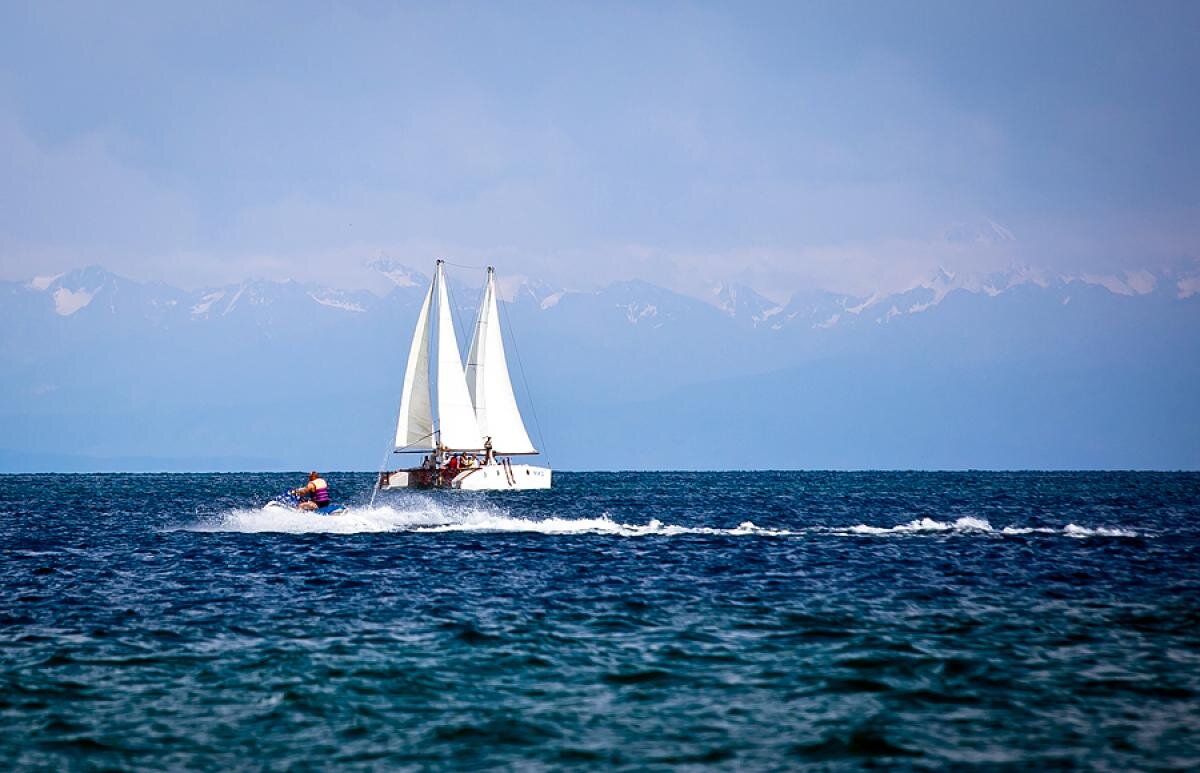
[(738, 620)]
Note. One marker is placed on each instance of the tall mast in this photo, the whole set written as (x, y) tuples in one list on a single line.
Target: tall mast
[(456, 426)]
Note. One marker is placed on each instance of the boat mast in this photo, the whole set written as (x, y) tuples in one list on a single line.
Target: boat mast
[(429, 363), (456, 426)]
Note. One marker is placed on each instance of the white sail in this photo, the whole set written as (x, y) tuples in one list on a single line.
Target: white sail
[(496, 411), (438, 407), (457, 429), (414, 428)]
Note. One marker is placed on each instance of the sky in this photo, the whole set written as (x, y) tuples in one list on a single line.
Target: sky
[(853, 147)]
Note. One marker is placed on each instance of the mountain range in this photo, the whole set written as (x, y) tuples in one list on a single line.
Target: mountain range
[(1020, 369)]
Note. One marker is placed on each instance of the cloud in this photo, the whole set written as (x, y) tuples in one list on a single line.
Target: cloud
[(77, 203), (785, 148)]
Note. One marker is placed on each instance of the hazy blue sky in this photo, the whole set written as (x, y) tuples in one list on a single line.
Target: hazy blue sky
[(842, 145)]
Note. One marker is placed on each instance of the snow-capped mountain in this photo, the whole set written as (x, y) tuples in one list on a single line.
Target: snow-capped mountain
[(93, 287), (398, 274), (638, 302), (103, 366), (743, 303), (93, 292)]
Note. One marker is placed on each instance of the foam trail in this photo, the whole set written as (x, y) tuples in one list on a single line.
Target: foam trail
[(602, 525), (926, 524), (1101, 531), (403, 514), (969, 525), (421, 514), (352, 521)]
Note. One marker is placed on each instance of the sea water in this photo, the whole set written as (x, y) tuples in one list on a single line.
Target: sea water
[(737, 620)]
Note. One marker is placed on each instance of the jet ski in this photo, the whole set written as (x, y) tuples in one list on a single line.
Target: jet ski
[(289, 501)]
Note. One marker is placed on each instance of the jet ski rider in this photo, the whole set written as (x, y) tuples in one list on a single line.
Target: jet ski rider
[(315, 493)]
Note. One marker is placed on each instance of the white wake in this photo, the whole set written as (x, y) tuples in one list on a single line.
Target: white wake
[(416, 513), (420, 514), (969, 524)]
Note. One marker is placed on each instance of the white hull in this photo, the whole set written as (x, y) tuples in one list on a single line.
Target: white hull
[(492, 477)]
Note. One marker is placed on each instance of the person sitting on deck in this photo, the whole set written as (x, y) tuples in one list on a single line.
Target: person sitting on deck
[(453, 464), (315, 493)]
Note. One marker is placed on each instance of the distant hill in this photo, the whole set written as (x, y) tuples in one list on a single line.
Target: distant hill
[(1007, 371)]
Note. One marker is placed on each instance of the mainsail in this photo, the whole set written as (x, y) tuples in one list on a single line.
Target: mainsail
[(496, 412), (414, 429)]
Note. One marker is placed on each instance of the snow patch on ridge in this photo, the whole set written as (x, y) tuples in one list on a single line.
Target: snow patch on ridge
[(397, 274), (635, 313), (336, 304), (233, 301), (206, 303), (67, 302), (1140, 282), (868, 303), (767, 314), (401, 278), (42, 282)]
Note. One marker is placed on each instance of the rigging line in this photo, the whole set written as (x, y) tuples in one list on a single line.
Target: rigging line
[(475, 332), (378, 475), (392, 444), (414, 449), (525, 383), (454, 315), (388, 452), (463, 265)]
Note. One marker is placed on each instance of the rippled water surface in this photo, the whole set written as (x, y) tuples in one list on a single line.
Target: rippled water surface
[(750, 621)]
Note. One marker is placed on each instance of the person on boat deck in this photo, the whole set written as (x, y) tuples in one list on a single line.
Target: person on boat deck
[(488, 455), (315, 492), (452, 465)]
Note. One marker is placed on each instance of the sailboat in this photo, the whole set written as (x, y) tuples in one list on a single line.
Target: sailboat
[(465, 421)]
